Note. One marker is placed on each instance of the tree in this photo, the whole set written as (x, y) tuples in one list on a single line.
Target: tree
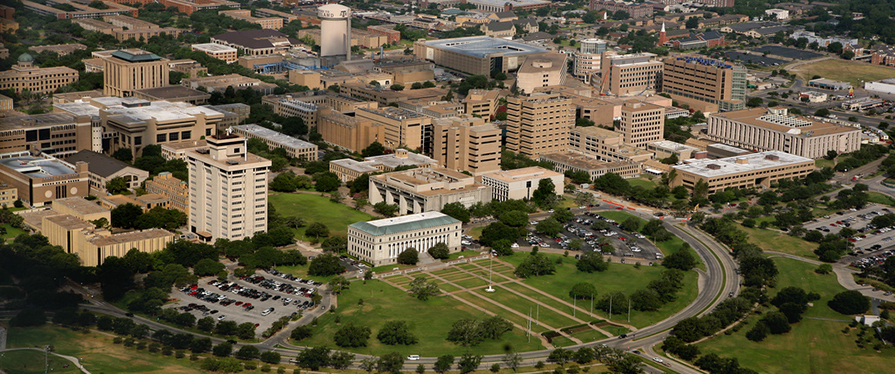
[(369, 364), (207, 267), (439, 251), (754, 102), (545, 194), (270, 357), (352, 336), (116, 185), (646, 300), (758, 332), (822, 112), (314, 358), (513, 360), (497, 231), (421, 288), (443, 363), (514, 218), (317, 230), (222, 350), (302, 332), (125, 215), (535, 264), (326, 182), (248, 352), (469, 362), (396, 332), (777, 323), (374, 149), (385, 209), (457, 211), (409, 257), (200, 345), (549, 227), (397, 87), (391, 363), (681, 260), (590, 262), (560, 356), (325, 265), (849, 302), (338, 284), (123, 154), (467, 332), (583, 291), (692, 23)]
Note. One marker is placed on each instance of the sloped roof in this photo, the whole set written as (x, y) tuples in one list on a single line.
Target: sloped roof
[(525, 21), (500, 26), (507, 14), (404, 223), (98, 163)]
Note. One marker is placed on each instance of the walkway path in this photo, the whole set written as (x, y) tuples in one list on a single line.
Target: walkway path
[(844, 275), (74, 360)]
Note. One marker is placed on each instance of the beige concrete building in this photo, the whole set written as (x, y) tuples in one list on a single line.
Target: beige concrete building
[(273, 23), (466, 144), (483, 103), (63, 230), (25, 76), (346, 132), (191, 68), (565, 161), (384, 97), (6, 104), (519, 184), (539, 123), (605, 145), (773, 129), (632, 74), (359, 38), (296, 148), (307, 78), (57, 134), (218, 51), (173, 93), (756, 170), (146, 201), (666, 148), (380, 242), (177, 150), (59, 49), (175, 190), (348, 169), (426, 190), (42, 179), (102, 169), (125, 71), (642, 123), (403, 128), (408, 72), (704, 79), (256, 42), (8, 196), (94, 249), (82, 209), (228, 189), (222, 82), (541, 70), (475, 54)]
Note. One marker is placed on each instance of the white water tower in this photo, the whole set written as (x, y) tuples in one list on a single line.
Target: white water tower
[(335, 30)]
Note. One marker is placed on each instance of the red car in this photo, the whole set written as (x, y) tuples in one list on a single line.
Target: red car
[(622, 237)]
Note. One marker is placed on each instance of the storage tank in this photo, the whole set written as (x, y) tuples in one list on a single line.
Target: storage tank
[(335, 30)]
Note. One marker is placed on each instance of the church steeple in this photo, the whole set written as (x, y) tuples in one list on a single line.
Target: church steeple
[(663, 38)]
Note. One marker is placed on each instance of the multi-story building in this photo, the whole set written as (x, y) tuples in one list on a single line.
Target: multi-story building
[(666, 148), (587, 59), (102, 169), (256, 42), (59, 49), (632, 74), (482, 103), (541, 70), (642, 123), (173, 93), (348, 169), (177, 150), (41, 179), (605, 145), (273, 23), (94, 249), (25, 76), (125, 71), (466, 144), (228, 189), (78, 10), (565, 161), (503, 6), (360, 38), (6, 104), (392, 36), (175, 190), (426, 190), (635, 10), (882, 54), (773, 129), (475, 54), (222, 82), (519, 184), (80, 208), (403, 128), (8, 196), (218, 51), (347, 132), (295, 148), (287, 17), (57, 134), (379, 242), (705, 79), (539, 123), (756, 170), (384, 97), (191, 68)]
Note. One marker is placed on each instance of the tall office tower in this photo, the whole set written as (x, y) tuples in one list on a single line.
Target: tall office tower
[(126, 71), (467, 144), (335, 30), (629, 75), (588, 58), (642, 123), (539, 123), (228, 189), (705, 79)]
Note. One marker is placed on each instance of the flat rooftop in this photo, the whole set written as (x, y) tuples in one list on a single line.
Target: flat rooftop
[(672, 146), (69, 222), (523, 174), (38, 167), (516, 3), (274, 136), (213, 47), (596, 131), (581, 161), (160, 111), (358, 166), (740, 164), (36, 121), (404, 223), (80, 205), (131, 237), (35, 218), (481, 46), (751, 117), (393, 161), (172, 92)]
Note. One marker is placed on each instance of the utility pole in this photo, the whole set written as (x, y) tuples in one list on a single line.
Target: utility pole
[(529, 324), (574, 307), (610, 306), (591, 305), (538, 315), (629, 310)]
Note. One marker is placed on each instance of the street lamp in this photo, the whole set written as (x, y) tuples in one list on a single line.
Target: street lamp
[(490, 272)]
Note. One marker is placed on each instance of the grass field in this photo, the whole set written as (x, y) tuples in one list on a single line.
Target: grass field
[(11, 232), (316, 208), (621, 278), (813, 346), (842, 70), (822, 163), (32, 362), (645, 183), (476, 232), (779, 242), (430, 322), (876, 197)]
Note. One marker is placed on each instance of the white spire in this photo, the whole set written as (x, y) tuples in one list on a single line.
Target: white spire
[(663, 26)]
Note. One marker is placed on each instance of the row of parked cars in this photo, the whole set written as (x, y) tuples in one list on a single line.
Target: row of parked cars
[(211, 297), (871, 261)]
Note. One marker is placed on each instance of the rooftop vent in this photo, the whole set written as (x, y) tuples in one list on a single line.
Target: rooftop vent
[(772, 157), (713, 166), (232, 162), (742, 161), (203, 151)]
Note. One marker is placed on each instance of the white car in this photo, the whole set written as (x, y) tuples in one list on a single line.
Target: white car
[(657, 359), (221, 317), (635, 249), (413, 358), (515, 245)]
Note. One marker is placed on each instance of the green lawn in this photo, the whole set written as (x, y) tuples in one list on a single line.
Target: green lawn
[(621, 278), (525, 306), (589, 335), (301, 271), (822, 163), (32, 362), (430, 322), (876, 197), (642, 182), (512, 317), (456, 255), (813, 346), (476, 232), (316, 208), (773, 240), (11, 232)]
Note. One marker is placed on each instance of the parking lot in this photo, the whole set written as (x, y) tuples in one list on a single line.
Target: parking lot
[(787, 52), (869, 239), (754, 59), (247, 299), (627, 244)]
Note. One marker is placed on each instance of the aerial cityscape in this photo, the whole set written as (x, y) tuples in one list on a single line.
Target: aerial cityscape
[(447, 186)]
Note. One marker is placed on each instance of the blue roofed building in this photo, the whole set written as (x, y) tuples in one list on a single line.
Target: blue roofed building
[(380, 242)]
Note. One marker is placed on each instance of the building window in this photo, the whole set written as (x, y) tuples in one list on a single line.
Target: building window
[(161, 138)]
